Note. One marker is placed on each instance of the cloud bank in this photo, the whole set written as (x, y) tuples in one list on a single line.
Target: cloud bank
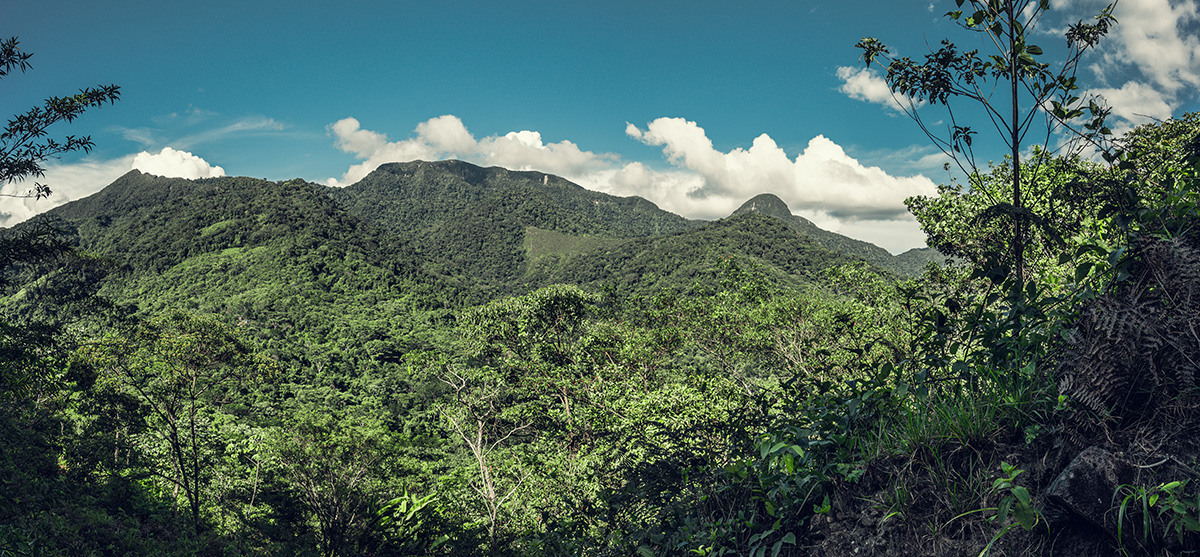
[(821, 183)]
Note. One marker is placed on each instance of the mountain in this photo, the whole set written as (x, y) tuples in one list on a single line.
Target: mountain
[(909, 263), (280, 257), (470, 221), (438, 234)]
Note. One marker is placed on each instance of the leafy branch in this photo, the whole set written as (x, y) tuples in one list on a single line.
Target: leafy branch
[(23, 143)]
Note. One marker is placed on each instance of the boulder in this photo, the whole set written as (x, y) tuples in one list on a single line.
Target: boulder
[(1086, 486)]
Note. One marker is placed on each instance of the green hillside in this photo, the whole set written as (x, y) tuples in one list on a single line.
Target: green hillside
[(279, 257), (685, 261)]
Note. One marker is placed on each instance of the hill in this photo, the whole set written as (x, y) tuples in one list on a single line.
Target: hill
[(909, 263), (692, 259), (503, 231), (279, 257)]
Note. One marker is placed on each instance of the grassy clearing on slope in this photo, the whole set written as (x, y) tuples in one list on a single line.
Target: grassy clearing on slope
[(540, 243)]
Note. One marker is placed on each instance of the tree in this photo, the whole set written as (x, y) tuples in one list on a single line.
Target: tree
[(21, 155), (1034, 90), (182, 367), (332, 468), (22, 147), (523, 382), (1064, 197)]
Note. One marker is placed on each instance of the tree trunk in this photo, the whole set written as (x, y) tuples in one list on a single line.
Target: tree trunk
[(1015, 128)]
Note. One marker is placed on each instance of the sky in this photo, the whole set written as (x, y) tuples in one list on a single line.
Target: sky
[(695, 105)]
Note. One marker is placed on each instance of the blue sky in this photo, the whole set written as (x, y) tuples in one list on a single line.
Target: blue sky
[(694, 105)]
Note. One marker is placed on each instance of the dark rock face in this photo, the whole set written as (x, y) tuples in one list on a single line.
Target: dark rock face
[(1086, 487)]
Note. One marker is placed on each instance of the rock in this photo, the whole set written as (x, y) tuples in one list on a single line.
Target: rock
[(1086, 486)]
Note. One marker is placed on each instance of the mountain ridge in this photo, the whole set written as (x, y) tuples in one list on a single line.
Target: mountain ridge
[(460, 219)]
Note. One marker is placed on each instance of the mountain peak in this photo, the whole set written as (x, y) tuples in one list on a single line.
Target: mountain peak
[(767, 204)]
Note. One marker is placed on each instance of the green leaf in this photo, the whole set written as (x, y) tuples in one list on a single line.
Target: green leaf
[(1026, 516), (1002, 509), (1022, 494), (1034, 50), (1081, 272)]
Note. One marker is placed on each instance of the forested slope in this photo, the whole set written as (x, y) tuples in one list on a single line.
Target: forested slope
[(686, 261)]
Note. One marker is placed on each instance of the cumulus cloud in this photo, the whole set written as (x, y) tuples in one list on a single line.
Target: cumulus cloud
[(176, 164), (821, 178), (821, 183), (1153, 53), (866, 84), (1137, 103), (1159, 37)]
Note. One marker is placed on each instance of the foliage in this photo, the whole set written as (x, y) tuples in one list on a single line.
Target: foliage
[(185, 368), (1167, 508), (1016, 501), (1032, 86), (732, 388), (1064, 198), (22, 149)]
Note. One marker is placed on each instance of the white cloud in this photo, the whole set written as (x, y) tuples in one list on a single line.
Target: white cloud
[(1153, 52), (865, 84), (1137, 103), (821, 178), (176, 164), (823, 182), (1150, 38)]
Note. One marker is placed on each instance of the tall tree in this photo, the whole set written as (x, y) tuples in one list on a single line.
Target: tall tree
[(1019, 93), (184, 368)]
